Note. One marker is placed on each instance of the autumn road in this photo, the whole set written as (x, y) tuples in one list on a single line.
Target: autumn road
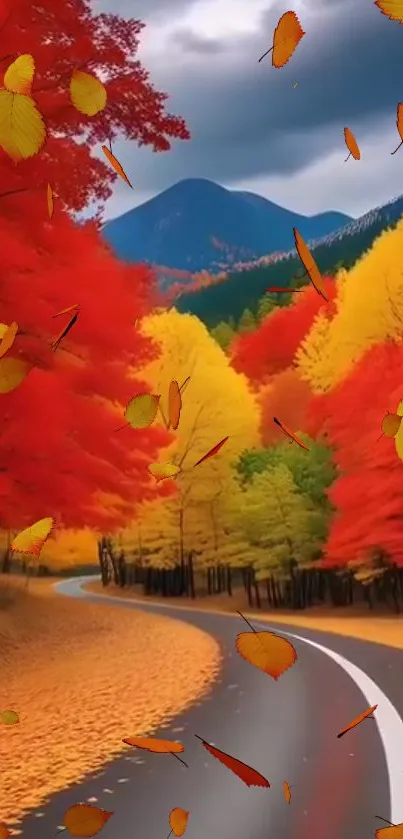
[(286, 730)]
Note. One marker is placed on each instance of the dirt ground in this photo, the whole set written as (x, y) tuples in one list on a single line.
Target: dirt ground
[(58, 670), (356, 622)]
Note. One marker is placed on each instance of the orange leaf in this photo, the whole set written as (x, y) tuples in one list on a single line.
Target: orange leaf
[(311, 268), (178, 821), (248, 775), (265, 650), (399, 125), (84, 820), (393, 9), (174, 404), (357, 721), (212, 451), (64, 332), (351, 144), (290, 434), (287, 792), (116, 165), (287, 35), (152, 744), (66, 311), (49, 200), (4, 831), (395, 831), (8, 338)]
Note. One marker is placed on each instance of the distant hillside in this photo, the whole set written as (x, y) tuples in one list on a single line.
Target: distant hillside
[(197, 224), (243, 288)]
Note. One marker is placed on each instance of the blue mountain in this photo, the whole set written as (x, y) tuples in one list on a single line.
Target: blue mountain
[(198, 224)]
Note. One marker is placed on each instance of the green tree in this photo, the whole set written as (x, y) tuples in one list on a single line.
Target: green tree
[(224, 334), (278, 521), (247, 321), (266, 304)]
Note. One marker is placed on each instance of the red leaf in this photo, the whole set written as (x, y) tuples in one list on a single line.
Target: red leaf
[(249, 776)]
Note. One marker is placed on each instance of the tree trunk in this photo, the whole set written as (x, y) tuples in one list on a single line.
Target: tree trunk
[(229, 580), (192, 589)]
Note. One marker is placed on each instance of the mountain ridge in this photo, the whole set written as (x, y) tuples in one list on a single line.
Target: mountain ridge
[(197, 224)]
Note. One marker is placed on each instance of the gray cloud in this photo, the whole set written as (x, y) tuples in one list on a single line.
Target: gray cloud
[(196, 44), (145, 10), (248, 120)]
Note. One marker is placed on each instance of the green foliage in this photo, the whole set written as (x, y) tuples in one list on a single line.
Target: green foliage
[(247, 321), (224, 334), (244, 289), (278, 521)]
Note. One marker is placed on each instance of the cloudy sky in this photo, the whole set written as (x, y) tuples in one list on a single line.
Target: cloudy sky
[(251, 127)]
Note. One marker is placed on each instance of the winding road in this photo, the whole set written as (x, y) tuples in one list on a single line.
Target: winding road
[(286, 730)]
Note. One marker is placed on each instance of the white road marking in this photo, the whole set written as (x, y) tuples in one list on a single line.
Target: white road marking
[(390, 724)]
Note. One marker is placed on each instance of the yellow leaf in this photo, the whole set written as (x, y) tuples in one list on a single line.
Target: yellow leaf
[(8, 338), (161, 471), (12, 372), (22, 129), (32, 539), (266, 650), (9, 718), (84, 820), (49, 199), (88, 94), (178, 821), (399, 125), (393, 9), (142, 410), (3, 329), (19, 75)]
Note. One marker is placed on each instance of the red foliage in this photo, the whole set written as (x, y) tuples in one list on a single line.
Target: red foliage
[(272, 347), (368, 494), (62, 36), (58, 440), (287, 398)]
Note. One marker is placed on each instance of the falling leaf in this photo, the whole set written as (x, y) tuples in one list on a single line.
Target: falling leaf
[(399, 125), (3, 329), (212, 451), (286, 38), (265, 650), (141, 410), (152, 744), (84, 820), (357, 721), (290, 434), (4, 831), (248, 775), (287, 792), (278, 289), (174, 404), (66, 311), (391, 424), (32, 539), (116, 165), (49, 199), (19, 75), (393, 9), (87, 93), (64, 332), (9, 718), (178, 821), (13, 371), (8, 338), (162, 471), (395, 831), (311, 268), (351, 144), (22, 129)]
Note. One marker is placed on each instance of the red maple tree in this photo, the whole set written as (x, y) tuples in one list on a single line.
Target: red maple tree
[(287, 397), (58, 446), (368, 492), (272, 347)]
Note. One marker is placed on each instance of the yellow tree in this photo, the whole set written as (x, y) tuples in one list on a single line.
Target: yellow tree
[(369, 311)]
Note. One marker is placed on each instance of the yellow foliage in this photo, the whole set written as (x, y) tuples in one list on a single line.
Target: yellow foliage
[(369, 311), (70, 548)]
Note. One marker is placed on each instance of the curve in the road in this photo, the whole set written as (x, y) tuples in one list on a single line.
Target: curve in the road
[(287, 730)]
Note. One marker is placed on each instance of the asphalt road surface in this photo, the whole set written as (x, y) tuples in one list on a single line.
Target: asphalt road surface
[(286, 730)]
